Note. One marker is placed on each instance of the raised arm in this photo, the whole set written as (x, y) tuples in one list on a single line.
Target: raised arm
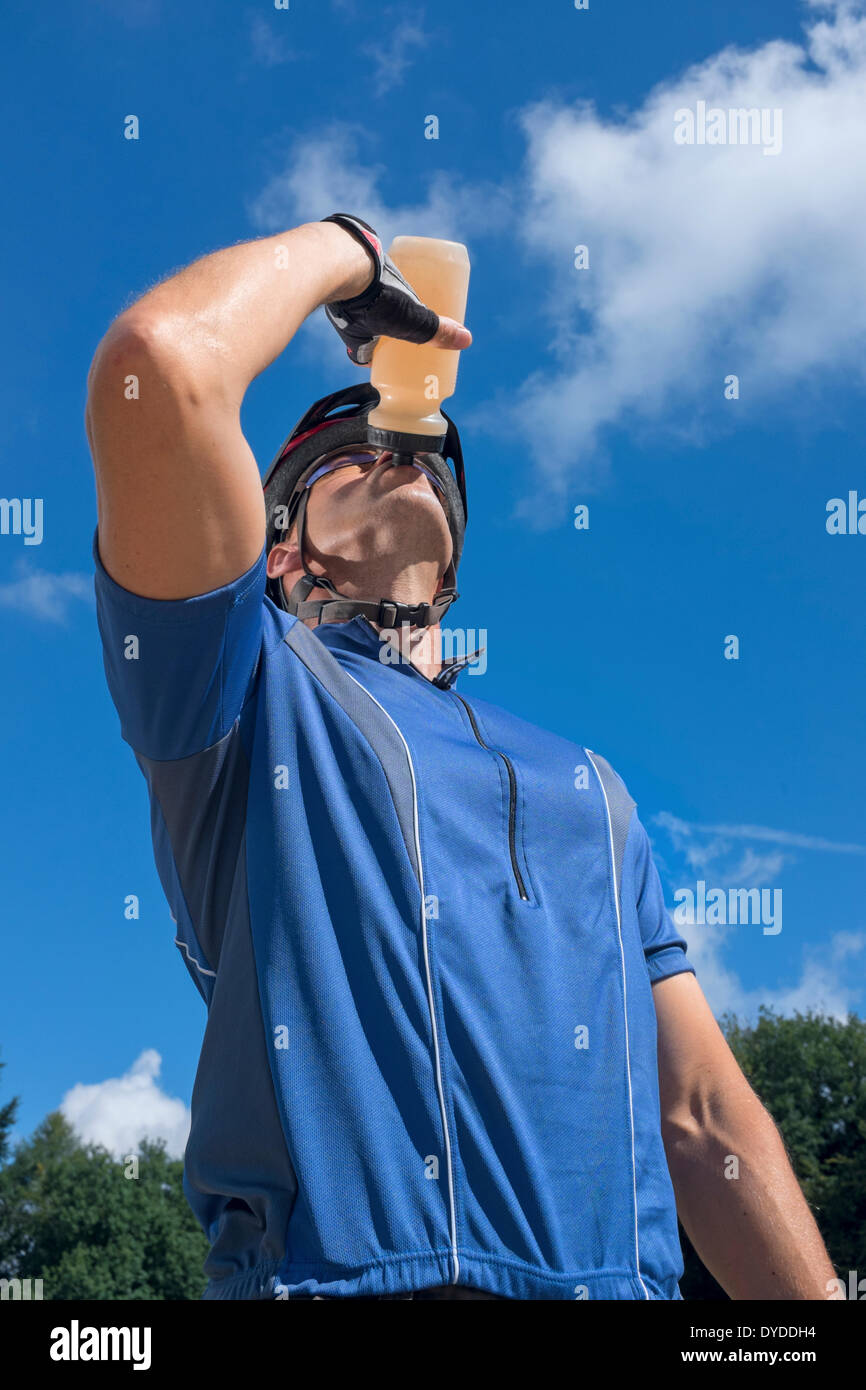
[(179, 495)]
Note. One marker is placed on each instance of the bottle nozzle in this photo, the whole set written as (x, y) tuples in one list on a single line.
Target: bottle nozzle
[(405, 446)]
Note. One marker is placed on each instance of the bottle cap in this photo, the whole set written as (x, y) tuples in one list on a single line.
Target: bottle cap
[(400, 443)]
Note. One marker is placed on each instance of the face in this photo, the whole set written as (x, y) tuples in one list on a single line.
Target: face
[(374, 529)]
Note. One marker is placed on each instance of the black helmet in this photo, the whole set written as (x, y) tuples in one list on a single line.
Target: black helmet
[(336, 421)]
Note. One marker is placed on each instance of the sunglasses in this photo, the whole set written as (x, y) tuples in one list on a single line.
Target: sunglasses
[(364, 458)]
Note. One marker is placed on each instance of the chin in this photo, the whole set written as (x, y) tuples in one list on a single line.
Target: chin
[(407, 522)]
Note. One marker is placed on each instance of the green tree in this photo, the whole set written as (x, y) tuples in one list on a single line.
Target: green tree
[(8, 1113), (810, 1073), (75, 1217)]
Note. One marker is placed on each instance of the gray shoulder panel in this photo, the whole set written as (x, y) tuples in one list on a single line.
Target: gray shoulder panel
[(203, 803), (620, 805), (379, 731)]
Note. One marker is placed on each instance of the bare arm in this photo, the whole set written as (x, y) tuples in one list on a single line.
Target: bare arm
[(179, 495), (755, 1232)]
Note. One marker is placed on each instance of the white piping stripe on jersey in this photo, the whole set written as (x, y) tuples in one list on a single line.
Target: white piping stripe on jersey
[(178, 942), (625, 1014), (439, 1087)]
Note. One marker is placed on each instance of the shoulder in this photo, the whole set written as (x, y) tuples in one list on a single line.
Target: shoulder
[(612, 783), (276, 625)]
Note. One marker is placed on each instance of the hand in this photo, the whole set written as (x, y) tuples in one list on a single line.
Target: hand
[(387, 306)]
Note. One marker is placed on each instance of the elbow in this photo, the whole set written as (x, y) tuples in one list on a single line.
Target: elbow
[(131, 333), (131, 341), (141, 347), (714, 1117), (683, 1130)]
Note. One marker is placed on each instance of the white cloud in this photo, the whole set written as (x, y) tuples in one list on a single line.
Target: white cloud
[(687, 836), (270, 48), (391, 59), (40, 594), (327, 172), (752, 870), (716, 852), (705, 260), (120, 1112), (830, 978), (718, 855)]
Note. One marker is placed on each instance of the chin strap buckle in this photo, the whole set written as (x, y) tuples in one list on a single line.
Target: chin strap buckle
[(391, 614), (387, 614)]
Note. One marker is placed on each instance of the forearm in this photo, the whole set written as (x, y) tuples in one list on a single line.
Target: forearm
[(231, 313), (753, 1231), (180, 497)]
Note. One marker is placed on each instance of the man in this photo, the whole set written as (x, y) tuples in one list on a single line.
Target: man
[(454, 1044)]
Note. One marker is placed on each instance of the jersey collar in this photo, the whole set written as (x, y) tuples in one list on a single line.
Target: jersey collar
[(359, 635)]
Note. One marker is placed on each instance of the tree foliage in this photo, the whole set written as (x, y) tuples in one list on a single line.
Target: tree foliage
[(75, 1217)]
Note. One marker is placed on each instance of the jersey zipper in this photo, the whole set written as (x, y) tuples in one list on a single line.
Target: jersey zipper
[(512, 798)]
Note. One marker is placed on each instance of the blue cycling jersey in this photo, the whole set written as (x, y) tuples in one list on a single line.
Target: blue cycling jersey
[(426, 933)]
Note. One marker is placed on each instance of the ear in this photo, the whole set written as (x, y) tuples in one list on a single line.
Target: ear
[(283, 558)]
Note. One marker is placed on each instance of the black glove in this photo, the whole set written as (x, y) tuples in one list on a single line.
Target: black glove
[(387, 306)]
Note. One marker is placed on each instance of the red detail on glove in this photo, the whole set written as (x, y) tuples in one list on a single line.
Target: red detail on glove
[(374, 241)]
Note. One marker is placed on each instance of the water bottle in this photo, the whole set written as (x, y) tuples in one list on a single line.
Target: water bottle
[(413, 379)]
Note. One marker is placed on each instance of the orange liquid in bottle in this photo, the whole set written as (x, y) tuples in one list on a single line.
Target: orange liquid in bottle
[(413, 379)]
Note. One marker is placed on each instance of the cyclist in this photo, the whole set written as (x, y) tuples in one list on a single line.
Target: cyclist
[(454, 1044)]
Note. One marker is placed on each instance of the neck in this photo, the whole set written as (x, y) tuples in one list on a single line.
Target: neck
[(421, 646), (413, 584)]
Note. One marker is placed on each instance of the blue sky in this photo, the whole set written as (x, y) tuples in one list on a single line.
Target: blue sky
[(603, 386)]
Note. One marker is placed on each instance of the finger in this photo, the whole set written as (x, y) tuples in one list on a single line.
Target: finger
[(451, 334)]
